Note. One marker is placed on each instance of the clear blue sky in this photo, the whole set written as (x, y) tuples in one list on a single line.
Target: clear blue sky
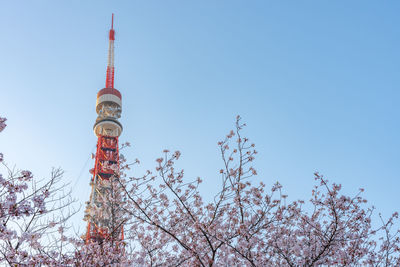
[(316, 81)]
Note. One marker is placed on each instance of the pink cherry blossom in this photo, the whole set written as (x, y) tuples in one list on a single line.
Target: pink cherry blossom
[(167, 222)]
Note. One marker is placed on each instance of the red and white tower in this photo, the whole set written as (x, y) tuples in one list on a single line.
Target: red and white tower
[(102, 212)]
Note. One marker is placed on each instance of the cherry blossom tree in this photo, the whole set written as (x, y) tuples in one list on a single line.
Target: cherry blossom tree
[(247, 225), (32, 216), (167, 222)]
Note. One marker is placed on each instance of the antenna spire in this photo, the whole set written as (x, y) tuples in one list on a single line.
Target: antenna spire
[(110, 64)]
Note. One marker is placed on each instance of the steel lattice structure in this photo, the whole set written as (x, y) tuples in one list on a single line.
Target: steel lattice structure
[(102, 211)]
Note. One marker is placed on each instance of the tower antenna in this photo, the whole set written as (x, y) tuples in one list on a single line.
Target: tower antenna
[(110, 63)]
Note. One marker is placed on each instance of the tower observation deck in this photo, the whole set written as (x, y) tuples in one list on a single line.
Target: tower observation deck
[(102, 213)]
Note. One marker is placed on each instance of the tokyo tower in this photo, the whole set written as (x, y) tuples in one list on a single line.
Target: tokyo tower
[(102, 211)]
